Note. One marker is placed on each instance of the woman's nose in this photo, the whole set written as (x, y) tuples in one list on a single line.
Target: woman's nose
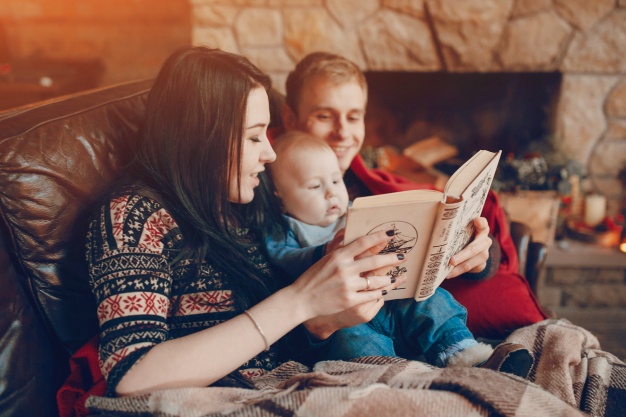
[(268, 155)]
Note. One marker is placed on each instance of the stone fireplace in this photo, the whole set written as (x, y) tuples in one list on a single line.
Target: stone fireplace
[(583, 41)]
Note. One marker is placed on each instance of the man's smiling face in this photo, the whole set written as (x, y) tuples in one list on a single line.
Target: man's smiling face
[(333, 112)]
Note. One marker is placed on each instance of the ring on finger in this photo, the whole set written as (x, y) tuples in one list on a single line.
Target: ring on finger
[(367, 284)]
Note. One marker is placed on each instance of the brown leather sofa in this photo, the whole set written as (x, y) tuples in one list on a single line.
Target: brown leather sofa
[(56, 159)]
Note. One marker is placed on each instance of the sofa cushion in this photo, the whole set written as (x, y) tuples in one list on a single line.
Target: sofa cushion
[(33, 373), (496, 306), (56, 159)]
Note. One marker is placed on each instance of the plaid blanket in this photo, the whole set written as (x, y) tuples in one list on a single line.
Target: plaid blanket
[(571, 377)]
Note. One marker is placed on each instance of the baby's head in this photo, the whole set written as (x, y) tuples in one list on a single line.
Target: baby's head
[(308, 179)]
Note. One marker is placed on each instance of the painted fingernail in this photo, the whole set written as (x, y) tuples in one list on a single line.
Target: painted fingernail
[(384, 292), (393, 279), (390, 232), (400, 256)]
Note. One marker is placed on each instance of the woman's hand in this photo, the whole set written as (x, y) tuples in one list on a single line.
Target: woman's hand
[(473, 258), (345, 278), (324, 325)]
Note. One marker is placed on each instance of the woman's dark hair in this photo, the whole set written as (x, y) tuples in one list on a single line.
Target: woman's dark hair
[(191, 142)]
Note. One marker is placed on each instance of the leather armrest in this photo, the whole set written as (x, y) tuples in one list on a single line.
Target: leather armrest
[(534, 263), (521, 234), (531, 254)]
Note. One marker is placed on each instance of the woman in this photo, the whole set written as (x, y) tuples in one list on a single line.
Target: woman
[(185, 297)]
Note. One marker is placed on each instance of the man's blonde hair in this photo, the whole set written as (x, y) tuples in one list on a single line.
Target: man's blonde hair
[(322, 65)]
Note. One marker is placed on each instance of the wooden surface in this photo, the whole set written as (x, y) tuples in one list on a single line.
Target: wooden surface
[(572, 253), (538, 209)]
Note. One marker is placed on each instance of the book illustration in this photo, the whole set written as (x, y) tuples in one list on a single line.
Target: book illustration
[(404, 237), (403, 241), (469, 211), (483, 186), (461, 237), (396, 272), (450, 213), (478, 187)]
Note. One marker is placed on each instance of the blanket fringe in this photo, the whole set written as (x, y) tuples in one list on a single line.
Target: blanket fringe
[(360, 393)]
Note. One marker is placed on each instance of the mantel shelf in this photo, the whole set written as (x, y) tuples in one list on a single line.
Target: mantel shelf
[(575, 254)]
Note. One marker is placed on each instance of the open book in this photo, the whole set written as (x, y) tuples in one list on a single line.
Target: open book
[(430, 226)]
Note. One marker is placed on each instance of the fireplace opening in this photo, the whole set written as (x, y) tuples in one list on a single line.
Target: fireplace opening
[(471, 111)]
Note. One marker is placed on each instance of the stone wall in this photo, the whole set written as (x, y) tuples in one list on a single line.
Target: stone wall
[(587, 285), (599, 287), (583, 39)]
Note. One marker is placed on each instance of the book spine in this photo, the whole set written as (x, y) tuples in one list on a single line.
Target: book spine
[(436, 266)]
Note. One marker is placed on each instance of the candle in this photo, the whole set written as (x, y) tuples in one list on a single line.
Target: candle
[(595, 209), (576, 205)]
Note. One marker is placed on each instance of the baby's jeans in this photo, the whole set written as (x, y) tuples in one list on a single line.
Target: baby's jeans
[(433, 329)]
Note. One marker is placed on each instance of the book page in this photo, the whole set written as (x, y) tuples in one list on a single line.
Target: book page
[(455, 226), (465, 175), (438, 258), (412, 224)]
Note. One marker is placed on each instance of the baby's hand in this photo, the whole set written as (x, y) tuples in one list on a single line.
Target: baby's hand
[(337, 242)]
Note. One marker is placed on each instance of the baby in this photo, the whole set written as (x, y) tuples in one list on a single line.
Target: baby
[(309, 184), (314, 198)]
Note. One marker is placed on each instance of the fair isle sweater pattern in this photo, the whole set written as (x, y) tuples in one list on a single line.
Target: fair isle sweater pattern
[(145, 295)]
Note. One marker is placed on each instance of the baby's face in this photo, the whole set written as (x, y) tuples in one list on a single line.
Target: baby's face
[(310, 185)]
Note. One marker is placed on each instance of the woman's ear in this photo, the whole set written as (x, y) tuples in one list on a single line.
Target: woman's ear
[(289, 118)]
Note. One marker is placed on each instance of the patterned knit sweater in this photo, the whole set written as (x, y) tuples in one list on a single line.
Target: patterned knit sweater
[(137, 281)]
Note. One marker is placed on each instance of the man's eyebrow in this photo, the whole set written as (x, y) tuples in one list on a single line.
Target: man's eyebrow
[(332, 109), (316, 108)]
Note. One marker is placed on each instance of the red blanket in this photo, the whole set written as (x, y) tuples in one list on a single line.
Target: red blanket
[(85, 379)]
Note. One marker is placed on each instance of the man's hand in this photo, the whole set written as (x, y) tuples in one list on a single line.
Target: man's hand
[(473, 258)]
